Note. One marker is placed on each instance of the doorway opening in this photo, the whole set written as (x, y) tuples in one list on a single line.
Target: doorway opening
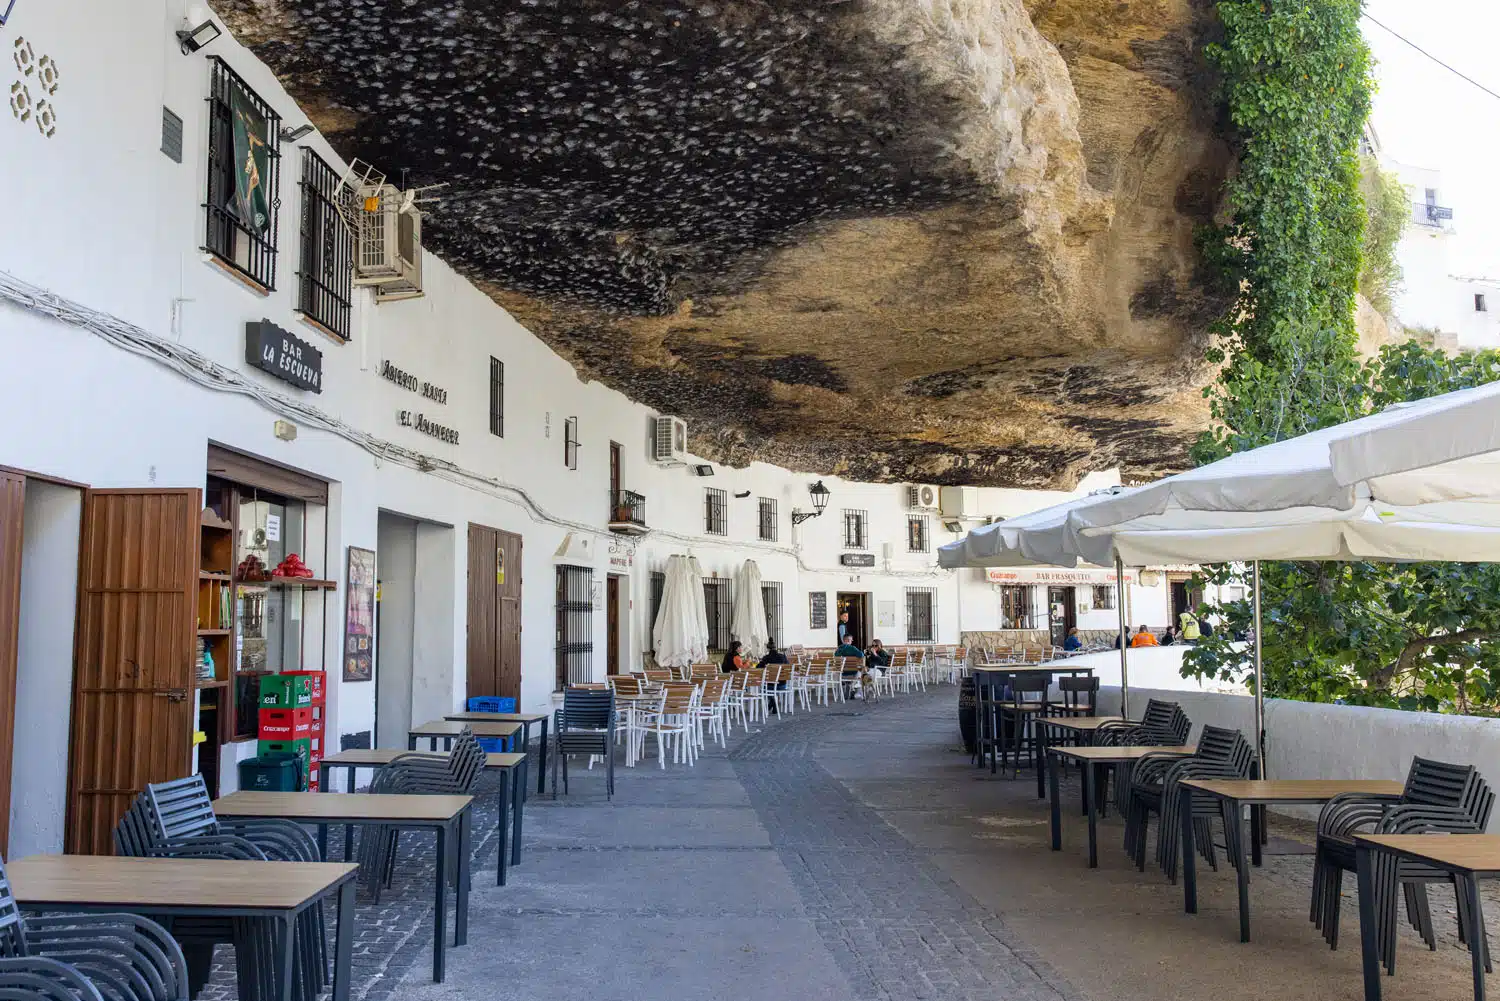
[(853, 617), (1185, 597), (1062, 613), (612, 621), (494, 647)]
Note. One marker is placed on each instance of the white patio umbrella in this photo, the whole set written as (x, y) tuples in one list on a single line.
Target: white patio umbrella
[(748, 624), (1037, 539), (673, 631), (1413, 436), (694, 576), (1285, 501)]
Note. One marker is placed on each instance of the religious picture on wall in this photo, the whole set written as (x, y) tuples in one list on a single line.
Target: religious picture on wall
[(359, 616)]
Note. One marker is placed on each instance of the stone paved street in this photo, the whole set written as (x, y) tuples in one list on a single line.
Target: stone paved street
[(854, 854)]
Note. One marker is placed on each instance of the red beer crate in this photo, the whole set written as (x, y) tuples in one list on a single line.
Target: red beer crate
[(286, 724)]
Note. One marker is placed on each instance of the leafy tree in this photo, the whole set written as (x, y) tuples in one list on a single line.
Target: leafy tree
[(1386, 214)]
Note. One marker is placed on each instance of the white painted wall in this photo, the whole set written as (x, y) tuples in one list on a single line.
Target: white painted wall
[(397, 567), (44, 678)]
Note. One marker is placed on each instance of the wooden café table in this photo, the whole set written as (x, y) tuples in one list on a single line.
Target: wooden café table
[(1256, 794), (222, 888), (447, 816), (527, 720), (512, 769), (448, 730), (1091, 758), (1469, 857)]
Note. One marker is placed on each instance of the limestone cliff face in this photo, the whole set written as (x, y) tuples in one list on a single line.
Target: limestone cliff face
[(931, 240)]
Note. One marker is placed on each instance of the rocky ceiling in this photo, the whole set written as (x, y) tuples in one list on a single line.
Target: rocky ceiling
[(930, 240)]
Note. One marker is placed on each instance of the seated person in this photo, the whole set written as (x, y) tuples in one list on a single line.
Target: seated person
[(1143, 638), (1074, 643), (773, 655), (877, 658), (734, 659), (847, 649), (1169, 636)]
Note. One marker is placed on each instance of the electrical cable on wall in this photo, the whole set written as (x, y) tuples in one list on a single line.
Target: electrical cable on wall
[(208, 374)]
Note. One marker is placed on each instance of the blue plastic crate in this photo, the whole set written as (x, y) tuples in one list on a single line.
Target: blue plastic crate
[(494, 745), (491, 704)]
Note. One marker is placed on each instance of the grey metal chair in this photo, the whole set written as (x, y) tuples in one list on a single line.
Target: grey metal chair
[(1439, 797), (1156, 787), (125, 957), (36, 978), (585, 725)]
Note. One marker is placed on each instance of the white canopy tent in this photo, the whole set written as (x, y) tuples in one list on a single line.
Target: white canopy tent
[(1038, 539), (1286, 501), (748, 624)]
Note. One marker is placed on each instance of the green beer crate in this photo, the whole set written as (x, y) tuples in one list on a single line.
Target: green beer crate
[(285, 691), (302, 748)]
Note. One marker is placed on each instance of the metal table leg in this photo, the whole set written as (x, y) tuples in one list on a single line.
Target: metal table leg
[(465, 852), (1053, 763), (503, 824), (541, 770), (343, 948), (1476, 932), (440, 903), (1189, 853), (1088, 794), (286, 937), (1242, 871), (518, 798), (1369, 935)]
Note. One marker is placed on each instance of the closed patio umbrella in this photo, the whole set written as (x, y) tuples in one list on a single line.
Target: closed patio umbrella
[(694, 577), (673, 632), (748, 624)]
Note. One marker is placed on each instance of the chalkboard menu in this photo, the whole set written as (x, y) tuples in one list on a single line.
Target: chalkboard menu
[(817, 610)]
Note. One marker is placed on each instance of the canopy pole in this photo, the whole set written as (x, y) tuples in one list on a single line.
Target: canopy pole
[(1260, 689), (1124, 638)]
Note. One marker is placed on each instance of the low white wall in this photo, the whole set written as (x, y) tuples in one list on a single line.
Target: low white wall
[(1312, 740)]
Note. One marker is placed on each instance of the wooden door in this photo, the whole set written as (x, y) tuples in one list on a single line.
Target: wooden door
[(133, 679), (616, 461), (12, 510), (494, 645), (612, 620)]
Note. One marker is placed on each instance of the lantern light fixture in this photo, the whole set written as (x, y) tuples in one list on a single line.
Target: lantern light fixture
[(820, 495)]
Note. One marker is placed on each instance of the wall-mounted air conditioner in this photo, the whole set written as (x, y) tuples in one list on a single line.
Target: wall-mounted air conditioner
[(959, 502), (669, 441), (920, 498)]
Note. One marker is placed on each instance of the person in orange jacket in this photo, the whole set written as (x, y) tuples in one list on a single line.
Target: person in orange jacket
[(1143, 638)]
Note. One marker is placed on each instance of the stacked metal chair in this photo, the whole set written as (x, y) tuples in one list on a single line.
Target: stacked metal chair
[(1439, 797), (1155, 787), (454, 773), (176, 820), (586, 725), (1163, 724), (110, 957)]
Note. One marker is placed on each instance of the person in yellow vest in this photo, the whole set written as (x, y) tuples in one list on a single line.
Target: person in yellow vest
[(1189, 622), (1143, 638)]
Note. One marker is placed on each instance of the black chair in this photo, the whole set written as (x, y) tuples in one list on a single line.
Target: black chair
[(35, 978), (989, 693), (585, 725), (1163, 724), (122, 957), (1155, 787), (1078, 695), (417, 773), (1439, 797), (1025, 702)]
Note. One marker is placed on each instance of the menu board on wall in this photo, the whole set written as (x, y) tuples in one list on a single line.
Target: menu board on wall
[(817, 610), (359, 616)]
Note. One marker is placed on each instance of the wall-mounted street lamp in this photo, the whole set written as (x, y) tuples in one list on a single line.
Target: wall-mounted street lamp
[(291, 135), (194, 38), (820, 495)]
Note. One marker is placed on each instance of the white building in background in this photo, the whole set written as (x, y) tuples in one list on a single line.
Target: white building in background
[(167, 359)]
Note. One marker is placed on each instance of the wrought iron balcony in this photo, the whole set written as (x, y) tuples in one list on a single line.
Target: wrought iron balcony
[(1428, 214), (627, 512)]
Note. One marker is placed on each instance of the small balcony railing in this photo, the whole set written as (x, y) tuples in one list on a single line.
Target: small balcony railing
[(627, 512)]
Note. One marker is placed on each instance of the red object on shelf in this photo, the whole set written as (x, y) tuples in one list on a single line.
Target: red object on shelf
[(292, 566), (312, 778), (318, 679), (285, 724)]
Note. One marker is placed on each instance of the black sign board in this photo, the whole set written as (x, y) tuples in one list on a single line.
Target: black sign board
[(817, 610), (857, 559), (284, 355)]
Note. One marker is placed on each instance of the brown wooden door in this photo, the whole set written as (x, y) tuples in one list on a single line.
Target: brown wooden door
[(612, 620), (615, 462), (494, 646), (133, 679), (12, 510)]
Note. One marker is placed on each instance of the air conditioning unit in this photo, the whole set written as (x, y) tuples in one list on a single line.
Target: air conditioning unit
[(959, 502), (388, 240), (669, 441), (921, 498)]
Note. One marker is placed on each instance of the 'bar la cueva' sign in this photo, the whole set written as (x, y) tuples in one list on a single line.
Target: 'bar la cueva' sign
[(284, 355)]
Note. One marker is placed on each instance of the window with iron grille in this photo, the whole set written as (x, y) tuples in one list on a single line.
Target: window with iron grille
[(658, 588), (770, 594), (715, 511), (1104, 596), (570, 442), (497, 397), (921, 614), (718, 609), (856, 524), (768, 519), (244, 164), (575, 625), (1015, 607), (917, 534), (325, 280)]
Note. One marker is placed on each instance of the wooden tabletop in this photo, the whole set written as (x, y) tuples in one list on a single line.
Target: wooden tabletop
[(341, 807), (126, 883), (1081, 723), (1292, 790), (1107, 755), (1457, 852), (497, 717), (371, 758), (452, 728)]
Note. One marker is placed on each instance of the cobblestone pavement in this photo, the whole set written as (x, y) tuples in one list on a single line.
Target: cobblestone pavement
[(854, 854)]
